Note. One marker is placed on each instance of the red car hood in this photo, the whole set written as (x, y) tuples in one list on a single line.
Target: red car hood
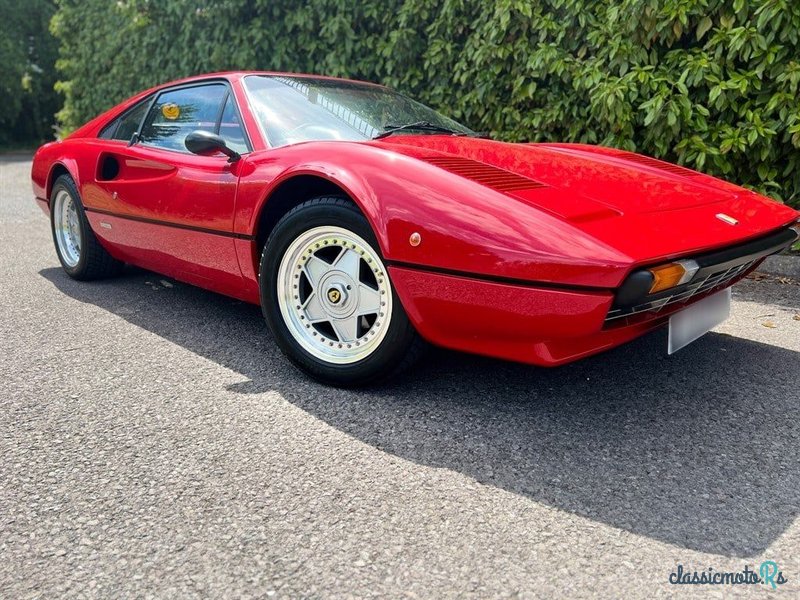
[(645, 208)]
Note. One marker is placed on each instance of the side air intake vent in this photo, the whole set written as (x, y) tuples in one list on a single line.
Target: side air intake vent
[(493, 177), (656, 164)]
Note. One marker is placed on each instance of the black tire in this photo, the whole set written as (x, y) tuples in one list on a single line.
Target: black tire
[(93, 261), (401, 345)]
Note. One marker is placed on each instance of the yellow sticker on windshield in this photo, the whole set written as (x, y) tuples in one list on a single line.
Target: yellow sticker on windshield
[(171, 111)]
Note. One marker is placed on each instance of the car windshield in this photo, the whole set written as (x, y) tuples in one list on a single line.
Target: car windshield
[(301, 109)]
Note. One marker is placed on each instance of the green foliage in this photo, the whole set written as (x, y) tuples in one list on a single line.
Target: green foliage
[(27, 55), (711, 84)]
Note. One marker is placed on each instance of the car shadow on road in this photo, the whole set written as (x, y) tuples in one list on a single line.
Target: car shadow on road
[(698, 450)]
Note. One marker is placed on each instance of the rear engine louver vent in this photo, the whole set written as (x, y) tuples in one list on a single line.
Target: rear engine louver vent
[(656, 164), (493, 177)]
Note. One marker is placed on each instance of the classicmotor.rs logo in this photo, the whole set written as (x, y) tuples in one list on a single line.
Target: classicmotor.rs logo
[(768, 574)]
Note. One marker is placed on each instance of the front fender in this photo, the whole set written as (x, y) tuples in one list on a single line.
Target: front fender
[(464, 227)]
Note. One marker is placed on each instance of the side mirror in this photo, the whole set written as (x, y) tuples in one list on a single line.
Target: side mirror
[(206, 143)]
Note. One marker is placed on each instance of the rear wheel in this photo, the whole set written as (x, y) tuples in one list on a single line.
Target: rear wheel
[(328, 299), (78, 250)]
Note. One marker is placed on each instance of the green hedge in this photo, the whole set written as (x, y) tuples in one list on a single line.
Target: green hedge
[(27, 72), (710, 84)]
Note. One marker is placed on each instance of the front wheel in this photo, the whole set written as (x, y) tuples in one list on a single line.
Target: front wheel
[(79, 252), (328, 299)]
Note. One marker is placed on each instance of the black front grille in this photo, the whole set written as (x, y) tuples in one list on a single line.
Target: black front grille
[(714, 281), (717, 270)]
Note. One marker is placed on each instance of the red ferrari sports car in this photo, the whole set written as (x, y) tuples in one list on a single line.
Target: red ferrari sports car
[(364, 223)]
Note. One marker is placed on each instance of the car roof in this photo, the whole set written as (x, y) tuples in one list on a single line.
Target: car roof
[(235, 75)]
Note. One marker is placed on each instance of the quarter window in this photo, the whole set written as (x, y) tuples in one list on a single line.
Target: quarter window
[(175, 114), (123, 128)]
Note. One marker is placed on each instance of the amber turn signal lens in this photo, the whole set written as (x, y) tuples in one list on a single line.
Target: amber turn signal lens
[(672, 274), (666, 276)]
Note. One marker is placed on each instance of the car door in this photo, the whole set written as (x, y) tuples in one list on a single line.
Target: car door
[(163, 207)]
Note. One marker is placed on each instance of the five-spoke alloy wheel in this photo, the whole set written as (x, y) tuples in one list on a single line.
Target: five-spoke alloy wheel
[(66, 227), (327, 296), (334, 294)]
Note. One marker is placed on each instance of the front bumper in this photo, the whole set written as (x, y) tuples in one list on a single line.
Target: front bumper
[(551, 326), (535, 325), (718, 270)]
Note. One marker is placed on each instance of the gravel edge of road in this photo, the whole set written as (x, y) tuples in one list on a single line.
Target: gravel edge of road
[(782, 265)]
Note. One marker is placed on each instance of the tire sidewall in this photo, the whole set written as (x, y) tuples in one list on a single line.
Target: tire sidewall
[(399, 335)]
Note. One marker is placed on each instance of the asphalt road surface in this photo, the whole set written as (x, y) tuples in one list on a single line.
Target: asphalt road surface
[(154, 443)]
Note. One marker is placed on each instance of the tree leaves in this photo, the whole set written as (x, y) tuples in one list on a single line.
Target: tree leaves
[(703, 26), (710, 84), (27, 55)]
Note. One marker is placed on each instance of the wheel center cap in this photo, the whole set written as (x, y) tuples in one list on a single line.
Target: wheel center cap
[(339, 294), (336, 294)]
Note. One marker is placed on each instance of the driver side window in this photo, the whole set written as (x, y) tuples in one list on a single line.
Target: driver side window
[(176, 113)]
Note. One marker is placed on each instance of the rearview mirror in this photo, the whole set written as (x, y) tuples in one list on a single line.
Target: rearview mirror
[(206, 143)]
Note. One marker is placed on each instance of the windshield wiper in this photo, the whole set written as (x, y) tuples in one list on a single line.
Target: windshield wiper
[(420, 126)]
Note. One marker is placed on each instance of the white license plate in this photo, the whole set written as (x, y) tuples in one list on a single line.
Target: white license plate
[(692, 322)]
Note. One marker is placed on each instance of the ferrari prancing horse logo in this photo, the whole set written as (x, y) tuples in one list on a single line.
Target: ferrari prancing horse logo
[(334, 295)]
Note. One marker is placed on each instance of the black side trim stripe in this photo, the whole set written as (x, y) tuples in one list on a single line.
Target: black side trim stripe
[(497, 278), (230, 234)]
